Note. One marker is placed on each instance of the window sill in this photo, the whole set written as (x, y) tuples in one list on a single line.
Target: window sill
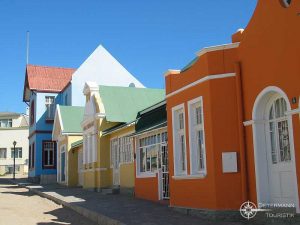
[(189, 177), (146, 175)]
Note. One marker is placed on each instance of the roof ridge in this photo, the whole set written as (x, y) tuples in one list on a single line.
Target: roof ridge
[(57, 67), (144, 88)]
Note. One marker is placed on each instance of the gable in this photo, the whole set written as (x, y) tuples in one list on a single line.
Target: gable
[(102, 68), (71, 117)]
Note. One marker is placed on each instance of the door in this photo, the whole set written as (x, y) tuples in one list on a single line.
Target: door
[(165, 171), (115, 154), (80, 168), (279, 154), (63, 164)]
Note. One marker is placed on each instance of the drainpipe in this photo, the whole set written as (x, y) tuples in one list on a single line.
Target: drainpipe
[(241, 129)]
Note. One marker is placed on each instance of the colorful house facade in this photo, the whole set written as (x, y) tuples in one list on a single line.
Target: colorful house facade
[(66, 132), (151, 150), (233, 116), (44, 88), (109, 119)]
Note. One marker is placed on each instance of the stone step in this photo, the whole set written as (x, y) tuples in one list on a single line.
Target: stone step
[(110, 190)]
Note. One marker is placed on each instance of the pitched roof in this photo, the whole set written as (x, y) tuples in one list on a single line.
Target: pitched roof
[(122, 104), (102, 68), (46, 78), (71, 117)]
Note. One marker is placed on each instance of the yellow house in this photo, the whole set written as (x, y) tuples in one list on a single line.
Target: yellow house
[(67, 132), (109, 119)]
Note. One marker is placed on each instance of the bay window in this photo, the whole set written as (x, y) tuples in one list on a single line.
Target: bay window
[(149, 152)]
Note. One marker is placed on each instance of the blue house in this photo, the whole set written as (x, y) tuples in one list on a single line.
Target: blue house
[(44, 88)]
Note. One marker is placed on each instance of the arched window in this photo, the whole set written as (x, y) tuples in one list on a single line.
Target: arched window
[(279, 132)]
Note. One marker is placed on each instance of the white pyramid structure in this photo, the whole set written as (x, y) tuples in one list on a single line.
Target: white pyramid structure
[(102, 68)]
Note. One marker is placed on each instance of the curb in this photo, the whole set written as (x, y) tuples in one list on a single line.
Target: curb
[(91, 215)]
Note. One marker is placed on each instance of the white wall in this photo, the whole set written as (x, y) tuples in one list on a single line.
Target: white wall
[(7, 137), (102, 68)]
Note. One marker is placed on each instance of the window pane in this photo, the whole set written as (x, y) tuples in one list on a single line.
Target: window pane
[(181, 122), (200, 150), (3, 153), (273, 143), (182, 148), (198, 115), (142, 160), (284, 143)]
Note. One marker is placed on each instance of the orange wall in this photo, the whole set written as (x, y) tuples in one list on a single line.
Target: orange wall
[(216, 190), (146, 188)]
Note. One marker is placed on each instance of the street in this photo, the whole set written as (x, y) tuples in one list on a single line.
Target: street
[(18, 206)]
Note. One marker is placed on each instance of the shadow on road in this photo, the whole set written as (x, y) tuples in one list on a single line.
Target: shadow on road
[(66, 216)]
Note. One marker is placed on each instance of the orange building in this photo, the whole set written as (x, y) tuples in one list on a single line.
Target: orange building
[(233, 116)]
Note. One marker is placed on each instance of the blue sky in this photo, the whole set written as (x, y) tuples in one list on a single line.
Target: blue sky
[(147, 37)]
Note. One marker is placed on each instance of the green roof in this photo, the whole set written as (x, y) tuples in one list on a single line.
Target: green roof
[(123, 103), (71, 117), (77, 143)]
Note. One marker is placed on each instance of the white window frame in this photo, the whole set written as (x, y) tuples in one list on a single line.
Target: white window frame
[(126, 155), (90, 145), (50, 106), (175, 133), (146, 174), (193, 129)]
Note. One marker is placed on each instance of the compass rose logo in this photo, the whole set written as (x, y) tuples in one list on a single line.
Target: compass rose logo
[(248, 210)]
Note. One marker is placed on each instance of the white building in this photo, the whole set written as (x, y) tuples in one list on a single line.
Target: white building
[(13, 127), (103, 69)]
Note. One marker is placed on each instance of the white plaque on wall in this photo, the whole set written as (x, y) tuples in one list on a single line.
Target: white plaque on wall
[(229, 161)]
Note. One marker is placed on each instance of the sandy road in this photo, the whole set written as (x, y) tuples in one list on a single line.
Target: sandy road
[(18, 206)]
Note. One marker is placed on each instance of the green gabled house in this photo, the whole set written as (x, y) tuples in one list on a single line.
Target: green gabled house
[(67, 133)]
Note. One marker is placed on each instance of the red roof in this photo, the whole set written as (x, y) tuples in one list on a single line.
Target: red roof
[(46, 78)]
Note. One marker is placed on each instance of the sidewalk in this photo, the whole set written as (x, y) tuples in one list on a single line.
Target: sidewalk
[(114, 209)]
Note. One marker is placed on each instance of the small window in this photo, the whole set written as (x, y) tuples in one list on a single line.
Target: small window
[(31, 156), (49, 154), (50, 107), (286, 3), (6, 123), (18, 154), (2, 153)]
